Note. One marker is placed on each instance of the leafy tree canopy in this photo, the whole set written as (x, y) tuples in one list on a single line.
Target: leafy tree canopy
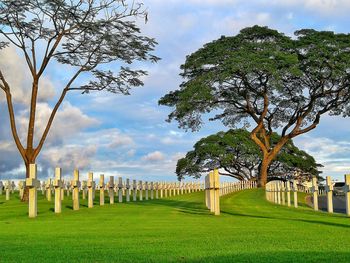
[(263, 78), (239, 157)]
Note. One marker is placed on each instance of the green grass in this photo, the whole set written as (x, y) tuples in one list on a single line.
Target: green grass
[(176, 229)]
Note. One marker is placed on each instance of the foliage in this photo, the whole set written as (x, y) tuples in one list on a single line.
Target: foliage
[(239, 157), (263, 77), (85, 37)]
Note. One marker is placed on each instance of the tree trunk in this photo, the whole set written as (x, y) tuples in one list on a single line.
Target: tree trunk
[(263, 171), (25, 197)]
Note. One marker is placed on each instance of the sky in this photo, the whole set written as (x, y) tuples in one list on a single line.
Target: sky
[(128, 135)]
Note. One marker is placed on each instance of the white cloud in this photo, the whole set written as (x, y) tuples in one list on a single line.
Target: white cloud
[(16, 73), (154, 156)]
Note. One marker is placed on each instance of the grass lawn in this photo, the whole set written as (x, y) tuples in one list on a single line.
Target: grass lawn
[(176, 229)]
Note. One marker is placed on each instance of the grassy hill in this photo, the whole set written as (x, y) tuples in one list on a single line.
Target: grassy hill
[(177, 229)]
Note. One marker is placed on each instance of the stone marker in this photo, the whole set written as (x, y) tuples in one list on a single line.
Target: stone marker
[(32, 183), (140, 190), (347, 193), (216, 192), (314, 190), (13, 186), (152, 188), (102, 189), (278, 188), (211, 191), (288, 192), (329, 191), (120, 189), (127, 190), (90, 185), (134, 190), (111, 189), (146, 190), (68, 189), (156, 185), (48, 189), (75, 186), (84, 189), (43, 187), (295, 190), (8, 189), (283, 192), (161, 186), (62, 189), (21, 185), (1, 187), (57, 184)]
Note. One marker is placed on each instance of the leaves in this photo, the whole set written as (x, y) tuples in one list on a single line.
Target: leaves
[(239, 157)]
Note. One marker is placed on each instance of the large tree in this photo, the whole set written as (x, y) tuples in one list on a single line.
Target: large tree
[(263, 78), (237, 156), (85, 35)]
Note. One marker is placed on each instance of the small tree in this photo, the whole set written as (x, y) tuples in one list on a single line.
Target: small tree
[(237, 156), (263, 77), (87, 35)]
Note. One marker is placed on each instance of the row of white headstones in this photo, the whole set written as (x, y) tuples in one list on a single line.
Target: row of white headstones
[(214, 189), (151, 190), (276, 191)]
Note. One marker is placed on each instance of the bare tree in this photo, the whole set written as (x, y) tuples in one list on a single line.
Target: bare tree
[(87, 35)]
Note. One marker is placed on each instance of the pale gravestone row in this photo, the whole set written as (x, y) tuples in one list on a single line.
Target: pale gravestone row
[(276, 192), (229, 187), (277, 189), (58, 186), (214, 189)]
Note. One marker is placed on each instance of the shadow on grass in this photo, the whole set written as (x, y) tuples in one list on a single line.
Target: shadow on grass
[(276, 256), (289, 219), (186, 207)]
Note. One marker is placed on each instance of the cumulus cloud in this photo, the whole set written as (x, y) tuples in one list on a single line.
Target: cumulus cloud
[(154, 156), (17, 75)]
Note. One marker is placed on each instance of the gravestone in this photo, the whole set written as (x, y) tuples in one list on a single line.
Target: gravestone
[(90, 185), (75, 184), (347, 193), (120, 189), (57, 184), (43, 187), (127, 190), (146, 190), (48, 189), (13, 187), (216, 192), (21, 186), (140, 190), (156, 187), (329, 191), (161, 187), (314, 190), (69, 187), (84, 189), (283, 192), (134, 190), (295, 192), (8, 189), (288, 192), (62, 189), (152, 189), (1, 187), (32, 183), (111, 189), (102, 189)]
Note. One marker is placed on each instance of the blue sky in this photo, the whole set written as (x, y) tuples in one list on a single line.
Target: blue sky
[(127, 135)]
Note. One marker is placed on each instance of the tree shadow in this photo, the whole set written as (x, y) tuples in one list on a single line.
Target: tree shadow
[(275, 256), (289, 219)]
